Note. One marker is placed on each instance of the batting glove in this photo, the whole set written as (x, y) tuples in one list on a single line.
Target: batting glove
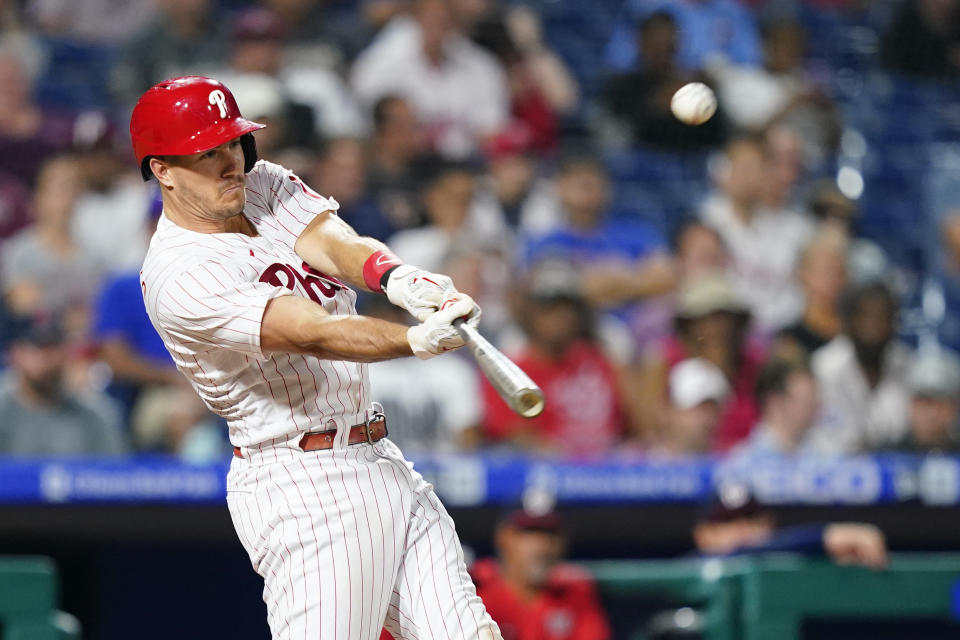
[(419, 292), (436, 334)]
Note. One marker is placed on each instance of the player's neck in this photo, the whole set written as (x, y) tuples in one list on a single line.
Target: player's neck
[(234, 224)]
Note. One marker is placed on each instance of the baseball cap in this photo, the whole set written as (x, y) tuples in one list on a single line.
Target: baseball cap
[(42, 330), (708, 294), (548, 522), (694, 381), (935, 375), (258, 24), (731, 501), (554, 279)]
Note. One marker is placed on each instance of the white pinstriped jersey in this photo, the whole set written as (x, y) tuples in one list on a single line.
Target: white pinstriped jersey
[(206, 293)]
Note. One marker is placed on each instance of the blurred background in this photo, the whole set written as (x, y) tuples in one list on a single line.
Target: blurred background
[(745, 331)]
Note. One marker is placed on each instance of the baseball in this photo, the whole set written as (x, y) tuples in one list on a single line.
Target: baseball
[(694, 103)]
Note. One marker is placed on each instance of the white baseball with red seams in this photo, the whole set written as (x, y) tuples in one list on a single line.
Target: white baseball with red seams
[(693, 103), (349, 539)]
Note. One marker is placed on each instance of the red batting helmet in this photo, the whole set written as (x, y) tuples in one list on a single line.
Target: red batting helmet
[(187, 115)]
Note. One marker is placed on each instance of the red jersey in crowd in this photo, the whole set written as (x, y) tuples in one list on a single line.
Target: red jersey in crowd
[(583, 410), (566, 609)]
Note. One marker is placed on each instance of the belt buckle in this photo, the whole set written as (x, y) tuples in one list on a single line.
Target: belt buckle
[(373, 414)]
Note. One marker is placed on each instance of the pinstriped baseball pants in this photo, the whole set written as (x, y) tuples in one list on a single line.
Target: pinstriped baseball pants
[(350, 540)]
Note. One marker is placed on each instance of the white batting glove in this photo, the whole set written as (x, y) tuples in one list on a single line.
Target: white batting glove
[(419, 292), (436, 334)]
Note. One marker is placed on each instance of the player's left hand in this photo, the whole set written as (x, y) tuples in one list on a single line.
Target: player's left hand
[(419, 292), (436, 334)]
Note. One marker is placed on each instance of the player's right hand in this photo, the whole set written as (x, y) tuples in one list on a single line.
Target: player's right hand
[(419, 292), (436, 334)]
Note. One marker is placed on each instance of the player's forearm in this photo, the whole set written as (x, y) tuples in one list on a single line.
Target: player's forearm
[(295, 325), (330, 245)]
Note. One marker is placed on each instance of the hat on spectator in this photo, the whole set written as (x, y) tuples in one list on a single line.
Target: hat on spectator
[(554, 279), (258, 24), (42, 330), (694, 381), (731, 501), (708, 294), (936, 375), (537, 513), (258, 95)]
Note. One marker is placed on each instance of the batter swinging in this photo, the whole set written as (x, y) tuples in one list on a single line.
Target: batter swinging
[(246, 280)]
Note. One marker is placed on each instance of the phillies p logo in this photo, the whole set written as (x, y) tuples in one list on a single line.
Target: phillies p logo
[(217, 98)]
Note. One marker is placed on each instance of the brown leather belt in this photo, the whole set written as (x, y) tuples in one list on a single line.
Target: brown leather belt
[(359, 433)]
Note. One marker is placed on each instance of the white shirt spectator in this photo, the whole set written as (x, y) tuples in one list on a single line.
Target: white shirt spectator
[(460, 101), (123, 210), (428, 407), (764, 254), (855, 416)]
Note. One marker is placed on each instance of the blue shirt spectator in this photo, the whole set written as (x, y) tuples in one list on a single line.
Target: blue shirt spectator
[(610, 240), (707, 28)]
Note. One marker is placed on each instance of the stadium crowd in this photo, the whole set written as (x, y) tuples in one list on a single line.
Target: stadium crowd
[(760, 285)]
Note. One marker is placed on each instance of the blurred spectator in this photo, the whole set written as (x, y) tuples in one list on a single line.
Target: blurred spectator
[(115, 197), (711, 323), (923, 40), (185, 35), (640, 99), (785, 169), (823, 275), (442, 411), (515, 192), (584, 410), (764, 243), (313, 98), (531, 81), (710, 28), (697, 391), (934, 385), (789, 405), (29, 134), (545, 68), (397, 142), (866, 261), (697, 251), (458, 90), (734, 524), (40, 415), (863, 375), (94, 21), (448, 199), (314, 38), (44, 269), (341, 174), (780, 92), (14, 206), (620, 260), (530, 592)]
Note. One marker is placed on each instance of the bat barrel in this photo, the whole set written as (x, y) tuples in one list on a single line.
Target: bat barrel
[(513, 385)]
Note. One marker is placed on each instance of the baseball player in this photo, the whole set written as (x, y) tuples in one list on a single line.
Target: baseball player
[(247, 280)]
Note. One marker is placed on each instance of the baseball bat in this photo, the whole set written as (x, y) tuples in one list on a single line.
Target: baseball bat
[(515, 387)]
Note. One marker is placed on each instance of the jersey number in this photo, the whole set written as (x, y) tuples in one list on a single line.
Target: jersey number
[(315, 283)]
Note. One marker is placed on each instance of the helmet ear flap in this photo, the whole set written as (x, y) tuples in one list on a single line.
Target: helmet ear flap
[(249, 146)]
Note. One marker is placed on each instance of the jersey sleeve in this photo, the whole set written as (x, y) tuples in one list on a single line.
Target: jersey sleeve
[(280, 204), (207, 306)]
